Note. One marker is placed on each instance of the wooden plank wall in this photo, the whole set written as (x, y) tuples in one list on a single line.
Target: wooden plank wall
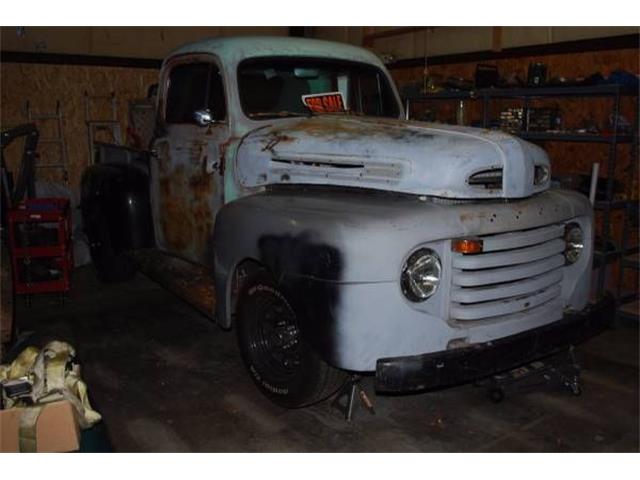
[(43, 85)]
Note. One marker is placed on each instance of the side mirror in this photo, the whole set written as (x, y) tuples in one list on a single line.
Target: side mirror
[(203, 117)]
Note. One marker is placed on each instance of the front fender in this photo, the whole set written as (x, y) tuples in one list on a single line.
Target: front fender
[(289, 245), (338, 254), (364, 236)]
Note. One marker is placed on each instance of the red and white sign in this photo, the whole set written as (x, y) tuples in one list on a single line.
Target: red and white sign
[(329, 102)]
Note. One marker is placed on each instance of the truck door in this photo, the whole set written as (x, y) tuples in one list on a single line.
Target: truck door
[(186, 185)]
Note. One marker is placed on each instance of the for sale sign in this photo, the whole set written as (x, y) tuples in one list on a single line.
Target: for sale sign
[(328, 102)]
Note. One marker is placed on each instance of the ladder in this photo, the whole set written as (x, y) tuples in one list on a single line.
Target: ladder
[(111, 125), (57, 138)]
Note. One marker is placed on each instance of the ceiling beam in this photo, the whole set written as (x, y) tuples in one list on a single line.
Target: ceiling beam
[(369, 38), (574, 46)]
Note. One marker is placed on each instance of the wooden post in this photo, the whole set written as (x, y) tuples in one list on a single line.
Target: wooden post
[(496, 45)]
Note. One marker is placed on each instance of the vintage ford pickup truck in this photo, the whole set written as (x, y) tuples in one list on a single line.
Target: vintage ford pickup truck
[(286, 195)]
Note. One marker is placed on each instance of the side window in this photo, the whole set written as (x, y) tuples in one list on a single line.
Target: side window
[(373, 96), (194, 86), (370, 94)]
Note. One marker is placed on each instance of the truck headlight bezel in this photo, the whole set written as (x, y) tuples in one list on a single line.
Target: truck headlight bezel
[(421, 275), (574, 242)]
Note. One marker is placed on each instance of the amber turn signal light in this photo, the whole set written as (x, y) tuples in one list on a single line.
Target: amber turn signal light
[(466, 245)]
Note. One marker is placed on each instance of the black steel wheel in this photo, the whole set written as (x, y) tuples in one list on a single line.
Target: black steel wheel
[(280, 362)]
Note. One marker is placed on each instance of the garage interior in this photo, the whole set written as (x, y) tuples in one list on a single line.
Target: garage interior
[(164, 377)]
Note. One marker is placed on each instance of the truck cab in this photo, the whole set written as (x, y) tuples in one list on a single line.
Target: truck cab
[(335, 236)]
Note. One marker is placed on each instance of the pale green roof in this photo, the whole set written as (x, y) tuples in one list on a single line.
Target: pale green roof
[(236, 49)]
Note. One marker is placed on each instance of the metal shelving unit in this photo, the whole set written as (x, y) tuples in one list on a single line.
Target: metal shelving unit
[(613, 139), (575, 137)]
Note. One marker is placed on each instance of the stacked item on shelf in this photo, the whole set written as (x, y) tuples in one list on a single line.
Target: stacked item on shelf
[(530, 119)]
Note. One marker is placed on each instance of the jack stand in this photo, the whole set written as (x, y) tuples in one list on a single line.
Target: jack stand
[(557, 371), (571, 378), (345, 399)]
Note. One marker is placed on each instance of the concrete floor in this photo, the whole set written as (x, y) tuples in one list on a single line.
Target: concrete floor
[(167, 379)]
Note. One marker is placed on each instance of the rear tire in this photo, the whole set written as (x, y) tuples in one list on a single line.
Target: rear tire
[(111, 267), (281, 363)]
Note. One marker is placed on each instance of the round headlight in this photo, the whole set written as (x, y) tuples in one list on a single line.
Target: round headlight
[(421, 275), (574, 239)]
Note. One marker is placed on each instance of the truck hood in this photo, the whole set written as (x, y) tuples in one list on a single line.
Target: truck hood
[(394, 155)]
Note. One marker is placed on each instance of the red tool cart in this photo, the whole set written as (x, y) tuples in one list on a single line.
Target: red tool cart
[(41, 247)]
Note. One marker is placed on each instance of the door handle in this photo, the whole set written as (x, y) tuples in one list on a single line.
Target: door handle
[(154, 151), (211, 167)]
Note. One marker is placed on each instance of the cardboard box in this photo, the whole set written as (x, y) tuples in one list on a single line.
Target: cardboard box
[(56, 430)]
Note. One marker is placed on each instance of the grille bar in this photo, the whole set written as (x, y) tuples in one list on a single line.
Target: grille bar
[(517, 273), (544, 313), (507, 241), (482, 310), (509, 257), (478, 278), (522, 287)]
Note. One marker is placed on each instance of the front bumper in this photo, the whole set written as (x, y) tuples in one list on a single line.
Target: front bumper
[(450, 367)]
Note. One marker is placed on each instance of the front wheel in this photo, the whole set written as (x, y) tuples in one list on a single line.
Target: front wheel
[(281, 363)]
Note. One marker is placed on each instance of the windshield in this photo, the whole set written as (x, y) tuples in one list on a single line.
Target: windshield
[(280, 87)]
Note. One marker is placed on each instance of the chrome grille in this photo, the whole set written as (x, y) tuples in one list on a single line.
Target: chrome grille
[(517, 272)]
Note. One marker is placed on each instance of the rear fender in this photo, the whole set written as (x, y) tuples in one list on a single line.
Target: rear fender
[(118, 194)]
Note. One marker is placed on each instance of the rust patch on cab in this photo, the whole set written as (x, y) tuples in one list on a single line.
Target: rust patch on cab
[(186, 194), (176, 223), (275, 139), (202, 190), (324, 126)]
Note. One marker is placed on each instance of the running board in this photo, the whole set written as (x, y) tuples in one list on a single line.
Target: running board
[(191, 282)]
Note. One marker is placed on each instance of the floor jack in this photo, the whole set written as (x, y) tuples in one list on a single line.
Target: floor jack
[(559, 371), (346, 398)]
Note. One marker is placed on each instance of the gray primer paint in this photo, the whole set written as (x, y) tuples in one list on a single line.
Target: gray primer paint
[(394, 155), (374, 233), (397, 186)]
